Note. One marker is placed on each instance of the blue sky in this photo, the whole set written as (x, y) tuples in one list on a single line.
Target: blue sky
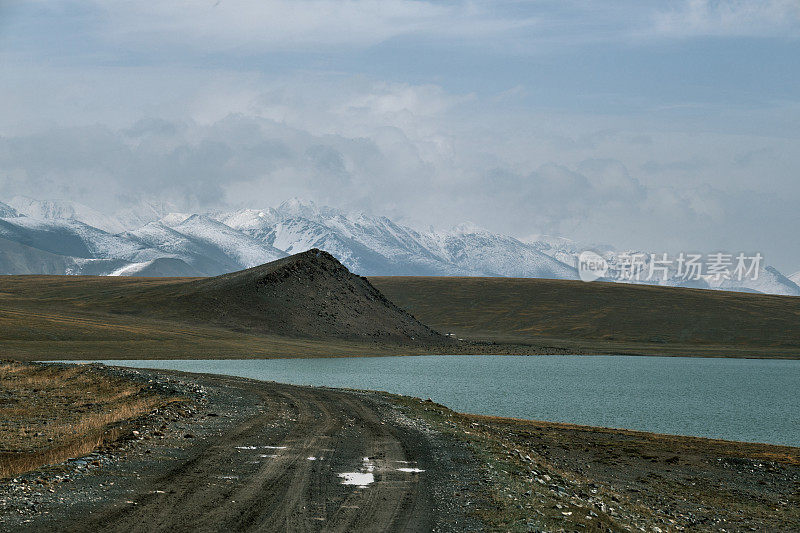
[(667, 126)]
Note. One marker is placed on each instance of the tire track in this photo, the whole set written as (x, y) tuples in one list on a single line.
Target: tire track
[(222, 487)]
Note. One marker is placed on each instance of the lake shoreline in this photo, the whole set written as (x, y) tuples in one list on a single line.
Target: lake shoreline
[(738, 400)]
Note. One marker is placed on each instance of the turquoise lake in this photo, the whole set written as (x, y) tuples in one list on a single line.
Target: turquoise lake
[(738, 399)]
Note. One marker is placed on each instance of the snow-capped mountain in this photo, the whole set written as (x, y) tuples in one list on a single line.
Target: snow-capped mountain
[(769, 281), (795, 278), (477, 250), (130, 218), (72, 238), (223, 241), (63, 237), (205, 259), (367, 245)]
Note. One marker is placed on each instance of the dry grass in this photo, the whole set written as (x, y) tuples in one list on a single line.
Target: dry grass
[(52, 413), (602, 317)]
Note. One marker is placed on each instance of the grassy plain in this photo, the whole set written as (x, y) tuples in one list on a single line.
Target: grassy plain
[(84, 317), (577, 317)]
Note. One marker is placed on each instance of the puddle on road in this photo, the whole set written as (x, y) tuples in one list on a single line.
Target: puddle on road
[(245, 447), (412, 470), (360, 479), (273, 447)]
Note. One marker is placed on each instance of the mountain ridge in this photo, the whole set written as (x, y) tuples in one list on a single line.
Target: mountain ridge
[(213, 243)]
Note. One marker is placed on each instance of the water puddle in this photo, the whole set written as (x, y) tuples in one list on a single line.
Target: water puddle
[(360, 479), (245, 447), (412, 470)]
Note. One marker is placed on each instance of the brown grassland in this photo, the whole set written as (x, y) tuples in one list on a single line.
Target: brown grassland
[(597, 318), (86, 317), (51, 413)]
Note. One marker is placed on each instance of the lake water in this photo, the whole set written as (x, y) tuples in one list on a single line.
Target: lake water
[(738, 399)]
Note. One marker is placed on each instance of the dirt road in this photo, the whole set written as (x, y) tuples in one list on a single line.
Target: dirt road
[(279, 458)]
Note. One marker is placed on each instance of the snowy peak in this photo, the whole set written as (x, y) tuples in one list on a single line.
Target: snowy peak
[(242, 248), (769, 281), (304, 209), (468, 228), (65, 210), (173, 219), (485, 253), (248, 219), (132, 217)]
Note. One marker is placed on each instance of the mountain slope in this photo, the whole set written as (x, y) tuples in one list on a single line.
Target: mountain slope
[(74, 239), (157, 268), (6, 211), (769, 281), (16, 258), (207, 258), (223, 241), (479, 251)]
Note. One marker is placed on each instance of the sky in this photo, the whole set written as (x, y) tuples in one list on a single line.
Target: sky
[(666, 126)]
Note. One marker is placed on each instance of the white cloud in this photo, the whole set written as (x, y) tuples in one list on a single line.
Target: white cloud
[(751, 18), (422, 154), (258, 25)]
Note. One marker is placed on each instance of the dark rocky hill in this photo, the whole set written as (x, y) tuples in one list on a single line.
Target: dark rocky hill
[(310, 294)]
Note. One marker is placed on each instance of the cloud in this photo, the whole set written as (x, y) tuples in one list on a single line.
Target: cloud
[(247, 26), (423, 169), (732, 18)]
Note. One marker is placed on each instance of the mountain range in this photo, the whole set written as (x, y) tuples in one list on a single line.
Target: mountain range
[(58, 237)]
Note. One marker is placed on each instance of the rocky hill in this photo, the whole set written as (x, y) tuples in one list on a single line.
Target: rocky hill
[(307, 295)]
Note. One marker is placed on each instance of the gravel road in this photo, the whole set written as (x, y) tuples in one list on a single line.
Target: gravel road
[(268, 457)]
